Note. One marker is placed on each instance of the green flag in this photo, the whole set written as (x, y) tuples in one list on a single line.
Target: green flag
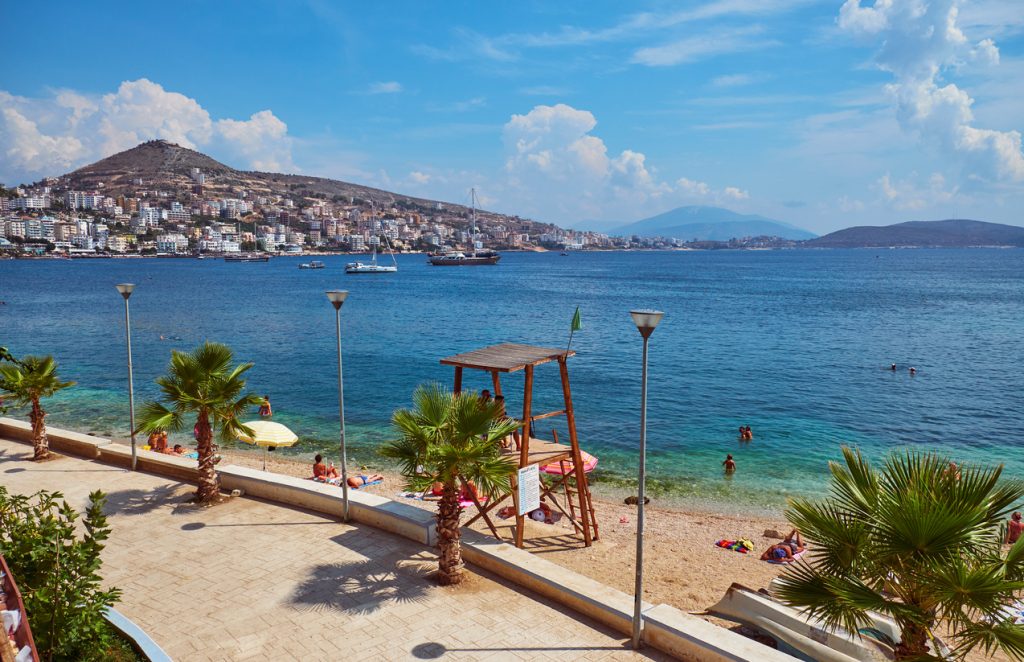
[(576, 323)]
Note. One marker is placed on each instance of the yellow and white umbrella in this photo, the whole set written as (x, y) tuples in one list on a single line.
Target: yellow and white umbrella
[(267, 434)]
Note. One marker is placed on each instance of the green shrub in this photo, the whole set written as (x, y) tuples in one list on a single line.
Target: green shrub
[(58, 572)]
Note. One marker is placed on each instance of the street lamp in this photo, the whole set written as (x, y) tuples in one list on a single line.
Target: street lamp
[(126, 290), (337, 297), (646, 321)]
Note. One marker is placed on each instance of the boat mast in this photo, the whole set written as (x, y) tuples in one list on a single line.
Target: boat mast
[(472, 227)]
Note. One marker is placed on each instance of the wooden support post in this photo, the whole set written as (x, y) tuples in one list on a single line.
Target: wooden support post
[(524, 449), (458, 379), (582, 491), (497, 383)]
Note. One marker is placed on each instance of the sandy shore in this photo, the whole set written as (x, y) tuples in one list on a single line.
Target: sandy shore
[(682, 566)]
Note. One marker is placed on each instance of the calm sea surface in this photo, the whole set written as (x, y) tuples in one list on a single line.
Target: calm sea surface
[(793, 343)]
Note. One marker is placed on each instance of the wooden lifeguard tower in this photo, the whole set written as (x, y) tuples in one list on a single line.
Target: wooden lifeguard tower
[(509, 357)]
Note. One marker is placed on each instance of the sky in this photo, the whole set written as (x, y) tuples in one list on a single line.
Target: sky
[(820, 114)]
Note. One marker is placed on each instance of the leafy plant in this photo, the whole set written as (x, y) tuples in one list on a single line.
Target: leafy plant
[(207, 384), (58, 572), (918, 541), (28, 381), (452, 439)]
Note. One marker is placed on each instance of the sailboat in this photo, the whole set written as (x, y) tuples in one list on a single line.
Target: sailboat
[(372, 267), (455, 258)]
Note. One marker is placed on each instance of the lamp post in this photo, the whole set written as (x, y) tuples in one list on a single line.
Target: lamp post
[(126, 290), (337, 297), (646, 321)]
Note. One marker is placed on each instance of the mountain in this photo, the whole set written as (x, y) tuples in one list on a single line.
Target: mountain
[(933, 234), (162, 165), (709, 224)]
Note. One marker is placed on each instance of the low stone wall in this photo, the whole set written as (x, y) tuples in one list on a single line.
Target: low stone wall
[(665, 628)]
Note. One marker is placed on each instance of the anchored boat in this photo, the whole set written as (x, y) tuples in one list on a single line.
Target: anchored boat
[(455, 258)]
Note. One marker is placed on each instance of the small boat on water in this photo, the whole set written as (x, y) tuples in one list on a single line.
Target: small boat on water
[(372, 267), (247, 257), (314, 264), (453, 258)]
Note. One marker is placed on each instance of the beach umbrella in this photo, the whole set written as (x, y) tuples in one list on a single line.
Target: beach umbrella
[(267, 434)]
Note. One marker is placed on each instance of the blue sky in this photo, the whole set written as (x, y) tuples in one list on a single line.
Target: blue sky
[(823, 114)]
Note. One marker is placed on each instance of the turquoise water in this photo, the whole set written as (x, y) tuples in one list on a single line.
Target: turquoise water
[(792, 343)]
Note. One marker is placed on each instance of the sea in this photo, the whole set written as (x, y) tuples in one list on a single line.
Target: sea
[(797, 344)]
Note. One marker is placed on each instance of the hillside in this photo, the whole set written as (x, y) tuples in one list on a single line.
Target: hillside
[(933, 234), (162, 165), (709, 224)]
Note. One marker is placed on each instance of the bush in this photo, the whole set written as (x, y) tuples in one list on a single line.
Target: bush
[(58, 572)]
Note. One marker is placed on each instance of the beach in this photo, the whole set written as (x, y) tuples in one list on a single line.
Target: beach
[(682, 565)]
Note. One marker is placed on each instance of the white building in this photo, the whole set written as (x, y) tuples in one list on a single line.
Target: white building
[(171, 243)]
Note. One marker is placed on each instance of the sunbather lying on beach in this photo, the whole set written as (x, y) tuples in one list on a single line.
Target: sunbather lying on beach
[(785, 551), (359, 480)]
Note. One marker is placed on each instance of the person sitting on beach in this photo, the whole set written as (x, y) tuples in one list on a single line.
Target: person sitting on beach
[(542, 514), (729, 464), (265, 409), (361, 480), (1014, 528), (323, 473), (158, 441), (468, 492), (785, 551), (485, 396)]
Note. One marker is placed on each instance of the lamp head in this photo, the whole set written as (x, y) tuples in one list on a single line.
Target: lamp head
[(337, 297), (125, 289), (646, 320)]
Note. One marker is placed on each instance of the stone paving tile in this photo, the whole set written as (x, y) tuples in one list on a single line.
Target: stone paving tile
[(250, 580)]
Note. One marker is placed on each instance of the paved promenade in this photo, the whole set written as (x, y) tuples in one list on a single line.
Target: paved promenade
[(251, 580)]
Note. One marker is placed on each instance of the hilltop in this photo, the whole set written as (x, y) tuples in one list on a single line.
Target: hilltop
[(163, 165), (958, 233), (706, 223)]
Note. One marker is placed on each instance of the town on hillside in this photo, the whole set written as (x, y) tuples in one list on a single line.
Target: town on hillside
[(125, 205)]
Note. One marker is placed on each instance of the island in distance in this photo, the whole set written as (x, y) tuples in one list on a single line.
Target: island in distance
[(952, 233)]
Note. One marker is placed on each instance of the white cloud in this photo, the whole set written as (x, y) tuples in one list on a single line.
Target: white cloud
[(51, 135), (262, 141), (700, 47), (920, 41), (556, 165), (388, 87), (733, 80), (908, 195), (418, 177)]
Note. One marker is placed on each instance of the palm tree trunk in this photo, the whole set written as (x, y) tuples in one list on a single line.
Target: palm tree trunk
[(40, 444), (914, 642), (209, 482), (449, 547)]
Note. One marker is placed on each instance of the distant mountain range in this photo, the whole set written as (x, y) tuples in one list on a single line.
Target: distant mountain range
[(709, 224), (926, 234)]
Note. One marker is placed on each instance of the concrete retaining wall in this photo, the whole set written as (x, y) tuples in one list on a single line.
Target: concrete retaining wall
[(665, 628)]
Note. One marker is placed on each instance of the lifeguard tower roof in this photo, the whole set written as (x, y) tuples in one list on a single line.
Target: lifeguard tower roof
[(506, 357)]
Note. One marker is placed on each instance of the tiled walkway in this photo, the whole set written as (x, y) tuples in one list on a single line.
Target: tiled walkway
[(251, 580)]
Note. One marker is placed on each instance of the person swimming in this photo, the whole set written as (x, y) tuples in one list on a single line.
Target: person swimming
[(913, 370), (893, 367), (729, 464)]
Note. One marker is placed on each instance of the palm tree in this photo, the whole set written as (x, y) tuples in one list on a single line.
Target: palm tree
[(204, 383), (918, 541), (28, 381), (452, 439)]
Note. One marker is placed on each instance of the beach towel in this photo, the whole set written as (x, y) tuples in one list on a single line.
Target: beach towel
[(742, 545), (785, 561)]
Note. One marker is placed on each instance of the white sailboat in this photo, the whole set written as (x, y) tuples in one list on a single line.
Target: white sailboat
[(372, 267)]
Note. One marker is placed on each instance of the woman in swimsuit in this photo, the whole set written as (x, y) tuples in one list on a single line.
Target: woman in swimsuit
[(360, 480)]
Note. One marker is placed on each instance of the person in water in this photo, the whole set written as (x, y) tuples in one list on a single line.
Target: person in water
[(748, 434), (729, 464), (893, 367), (265, 409)]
